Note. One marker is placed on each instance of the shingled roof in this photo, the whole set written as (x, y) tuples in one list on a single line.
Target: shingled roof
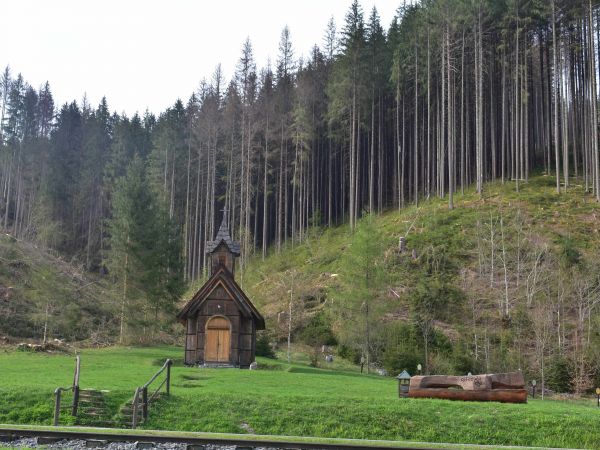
[(223, 236), (222, 276)]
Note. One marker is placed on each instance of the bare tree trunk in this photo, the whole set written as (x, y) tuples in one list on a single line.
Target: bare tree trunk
[(372, 154), (186, 223), (280, 195), (290, 309), (555, 85), (353, 140), (124, 297), (493, 120), (428, 117), (46, 316), (329, 180), (504, 121), (462, 117), (592, 59), (504, 311), (265, 193), (416, 148), (450, 123)]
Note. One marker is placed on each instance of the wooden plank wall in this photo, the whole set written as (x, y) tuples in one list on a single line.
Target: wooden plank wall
[(243, 330)]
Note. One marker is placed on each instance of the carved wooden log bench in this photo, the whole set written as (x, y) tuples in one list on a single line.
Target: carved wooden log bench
[(494, 387)]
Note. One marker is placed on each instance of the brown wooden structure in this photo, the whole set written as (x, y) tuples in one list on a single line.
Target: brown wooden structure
[(220, 320), (495, 387)]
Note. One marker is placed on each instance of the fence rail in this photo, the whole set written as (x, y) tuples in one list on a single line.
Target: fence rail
[(141, 400)]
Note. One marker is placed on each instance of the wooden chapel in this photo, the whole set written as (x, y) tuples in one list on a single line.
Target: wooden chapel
[(220, 320)]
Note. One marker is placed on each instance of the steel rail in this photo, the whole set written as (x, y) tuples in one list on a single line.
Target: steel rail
[(15, 433)]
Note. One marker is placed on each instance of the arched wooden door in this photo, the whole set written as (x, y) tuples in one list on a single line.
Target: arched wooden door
[(218, 340)]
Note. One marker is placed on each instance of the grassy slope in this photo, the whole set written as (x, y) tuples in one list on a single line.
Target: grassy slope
[(29, 379), (31, 279), (549, 217), (287, 400)]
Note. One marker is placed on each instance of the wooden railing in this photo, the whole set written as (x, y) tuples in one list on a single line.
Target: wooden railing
[(74, 388), (141, 400)]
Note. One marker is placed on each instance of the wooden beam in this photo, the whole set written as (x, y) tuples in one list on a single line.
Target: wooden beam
[(493, 395)]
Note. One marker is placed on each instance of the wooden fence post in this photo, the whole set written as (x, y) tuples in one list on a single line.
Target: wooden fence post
[(169, 363), (57, 407), (76, 387), (134, 411), (143, 392), (75, 400), (145, 403)]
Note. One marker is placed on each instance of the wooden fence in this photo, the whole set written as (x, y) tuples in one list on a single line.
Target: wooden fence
[(141, 400), (74, 388)]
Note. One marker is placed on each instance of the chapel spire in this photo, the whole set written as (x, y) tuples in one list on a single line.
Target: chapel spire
[(223, 249)]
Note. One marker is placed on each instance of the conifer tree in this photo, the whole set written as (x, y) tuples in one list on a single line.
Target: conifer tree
[(363, 280), (144, 255)]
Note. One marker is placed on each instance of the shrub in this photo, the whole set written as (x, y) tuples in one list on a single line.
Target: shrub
[(463, 363), (397, 359), (317, 333), (263, 346), (559, 374), (349, 353), (568, 251)]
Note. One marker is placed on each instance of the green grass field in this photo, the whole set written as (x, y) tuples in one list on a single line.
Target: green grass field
[(292, 400)]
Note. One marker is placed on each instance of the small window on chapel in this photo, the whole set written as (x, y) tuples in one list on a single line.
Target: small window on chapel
[(222, 259)]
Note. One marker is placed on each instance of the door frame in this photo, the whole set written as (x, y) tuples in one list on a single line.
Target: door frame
[(229, 329)]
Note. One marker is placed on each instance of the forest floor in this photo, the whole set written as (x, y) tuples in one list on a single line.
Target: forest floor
[(287, 399)]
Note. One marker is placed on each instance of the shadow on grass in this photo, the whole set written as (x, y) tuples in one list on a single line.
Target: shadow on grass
[(187, 384), (317, 371)]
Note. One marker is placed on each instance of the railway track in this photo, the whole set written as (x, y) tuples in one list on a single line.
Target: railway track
[(208, 441), (197, 440)]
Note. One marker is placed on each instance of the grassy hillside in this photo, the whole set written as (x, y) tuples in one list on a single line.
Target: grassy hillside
[(493, 265), (292, 400), (39, 290), (503, 282)]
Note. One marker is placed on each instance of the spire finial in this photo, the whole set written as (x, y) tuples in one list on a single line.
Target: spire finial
[(224, 221), (223, 235)]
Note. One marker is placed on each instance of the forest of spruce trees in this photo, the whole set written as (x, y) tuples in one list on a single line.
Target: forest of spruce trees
[(452, 93)]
